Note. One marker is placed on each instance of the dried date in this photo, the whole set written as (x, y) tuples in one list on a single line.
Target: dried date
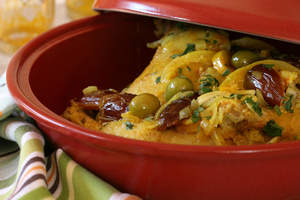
[(113, 105), (268, 81), (110, 104), (92, 100), (170, 115)]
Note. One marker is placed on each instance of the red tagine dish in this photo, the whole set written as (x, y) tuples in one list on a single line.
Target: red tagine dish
[(110, 51)]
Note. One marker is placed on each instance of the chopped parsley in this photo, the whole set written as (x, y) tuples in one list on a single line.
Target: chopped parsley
[(207, 117), (238, 96), (227, 71), (196, 114), (180, 71), (269, 66), (207, 84), (198, 128), (212, 42), (272, 129), (254, 105), (157, 80), (288, 104), (210, 80), (277, 109), (189, 48), (188, 68), (129, 125), (204, 90)]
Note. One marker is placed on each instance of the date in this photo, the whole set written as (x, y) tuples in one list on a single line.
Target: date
[(110, 104), (268, 81), (170, 115)]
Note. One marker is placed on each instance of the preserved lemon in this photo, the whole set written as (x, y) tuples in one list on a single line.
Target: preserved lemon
[(21, 20), (80, 8)]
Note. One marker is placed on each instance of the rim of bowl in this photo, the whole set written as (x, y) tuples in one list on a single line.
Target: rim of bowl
[(26, 100)]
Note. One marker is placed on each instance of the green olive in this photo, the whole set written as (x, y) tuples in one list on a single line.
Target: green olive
[(144, 105), (243, 57), (251, 43), (176, 85)]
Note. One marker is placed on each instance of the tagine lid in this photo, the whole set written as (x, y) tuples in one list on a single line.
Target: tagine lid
[(268, 18)]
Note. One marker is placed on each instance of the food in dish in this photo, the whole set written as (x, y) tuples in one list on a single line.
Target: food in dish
[(201, 88)]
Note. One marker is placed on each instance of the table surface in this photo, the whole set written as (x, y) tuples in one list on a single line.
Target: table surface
[(61, 17)]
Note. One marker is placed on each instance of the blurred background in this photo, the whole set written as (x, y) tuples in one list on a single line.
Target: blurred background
[(22, 20)]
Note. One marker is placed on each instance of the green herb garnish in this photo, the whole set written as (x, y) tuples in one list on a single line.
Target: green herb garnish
[(227, 71), (157, 80), (254, 105), (209, 81), (272, 129), (277, 109), (238, 96), (188, 68), (207, 117), (196, 114), (189, 48), (198, 128), (288, 104), (209, 41), (207, 84), (129, 125), (269, 66), (204, 90), (180, 71)]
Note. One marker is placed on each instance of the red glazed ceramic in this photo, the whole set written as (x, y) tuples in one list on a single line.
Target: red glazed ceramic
[(110, 51), (269, 18)]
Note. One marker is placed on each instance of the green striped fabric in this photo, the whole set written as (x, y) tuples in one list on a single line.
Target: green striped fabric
[(26, 174)]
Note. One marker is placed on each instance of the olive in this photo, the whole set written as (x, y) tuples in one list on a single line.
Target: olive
[(252, 43), (266, 80), (243, 57), (176, 85), (144, 105)]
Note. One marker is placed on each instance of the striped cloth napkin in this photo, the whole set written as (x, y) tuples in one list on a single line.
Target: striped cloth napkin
[(25, 172)]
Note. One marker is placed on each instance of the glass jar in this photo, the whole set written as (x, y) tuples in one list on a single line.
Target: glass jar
[(22, 20), (80, 8)]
